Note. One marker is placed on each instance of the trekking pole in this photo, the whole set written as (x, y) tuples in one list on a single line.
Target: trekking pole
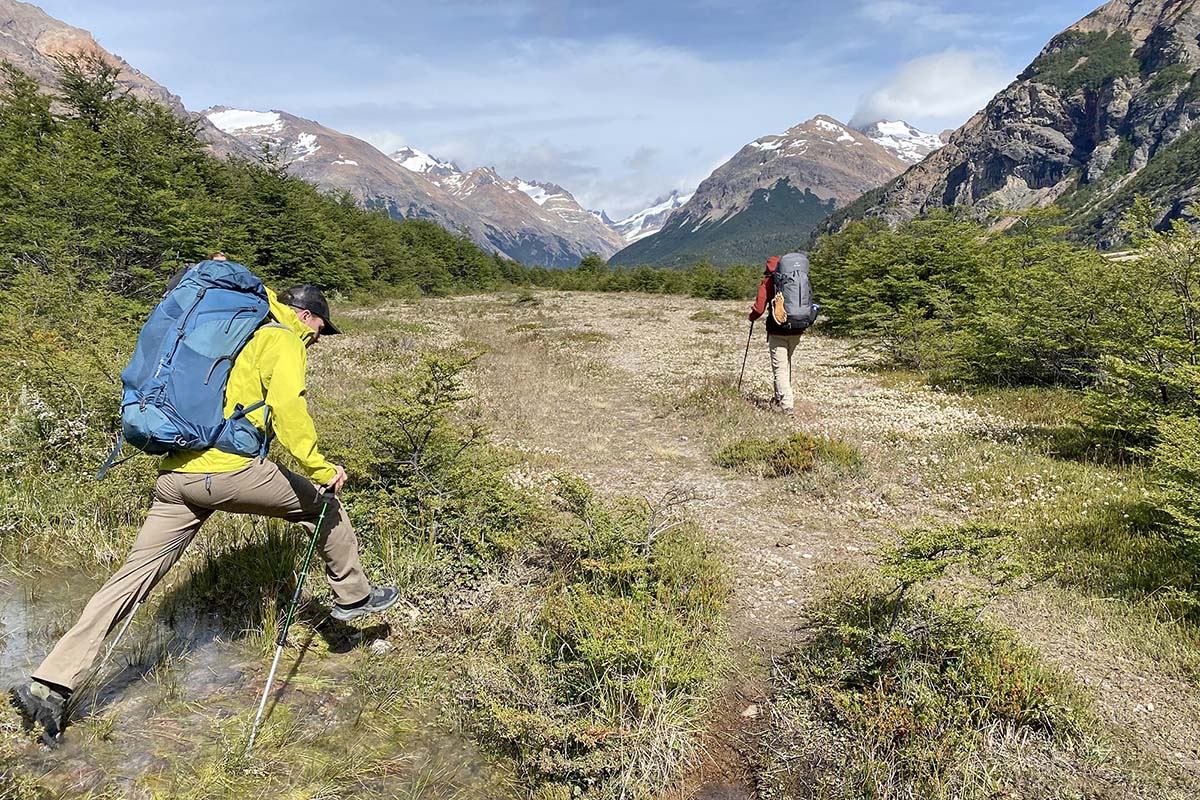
[(121, 633), (746, 357), (95, 673), (281, 640)]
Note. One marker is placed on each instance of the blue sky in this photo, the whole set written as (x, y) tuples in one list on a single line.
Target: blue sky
[(618, 101)]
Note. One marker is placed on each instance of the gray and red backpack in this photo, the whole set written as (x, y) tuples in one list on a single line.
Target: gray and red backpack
[(791, 310)]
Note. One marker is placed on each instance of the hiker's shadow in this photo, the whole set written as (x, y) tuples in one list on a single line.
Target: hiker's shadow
[(226, 599)]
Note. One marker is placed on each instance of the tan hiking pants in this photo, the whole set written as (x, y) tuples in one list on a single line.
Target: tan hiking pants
[(182, 502), (782, 348)]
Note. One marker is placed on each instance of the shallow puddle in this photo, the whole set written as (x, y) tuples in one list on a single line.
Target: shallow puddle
[(168, 714)]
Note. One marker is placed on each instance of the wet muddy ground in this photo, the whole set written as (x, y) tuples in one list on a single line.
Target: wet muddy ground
[(169, 710)]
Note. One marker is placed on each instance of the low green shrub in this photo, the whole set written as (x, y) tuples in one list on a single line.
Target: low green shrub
[(904, 701), (777, 458), (436, 508), (601, 685), (897, 692)]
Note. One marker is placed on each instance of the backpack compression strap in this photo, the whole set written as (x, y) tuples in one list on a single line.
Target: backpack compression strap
[(111, 461)]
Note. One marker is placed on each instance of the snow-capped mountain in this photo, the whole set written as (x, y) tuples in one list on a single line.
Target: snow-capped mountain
[(335, 161), (768, 198), (558, 201), (909, 143), (414, 160), (649, 220), (534, 223)]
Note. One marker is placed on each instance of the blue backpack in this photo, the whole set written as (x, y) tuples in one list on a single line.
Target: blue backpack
[(174, 387)]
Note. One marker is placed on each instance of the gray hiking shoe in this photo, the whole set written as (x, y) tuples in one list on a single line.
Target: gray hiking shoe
[(381, 598), (41, 707)]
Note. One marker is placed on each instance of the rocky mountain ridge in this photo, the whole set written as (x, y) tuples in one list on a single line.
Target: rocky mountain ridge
[(33, 42), (810, 170), (337, 162), (495, 213), (1106, 111), (527, 219)]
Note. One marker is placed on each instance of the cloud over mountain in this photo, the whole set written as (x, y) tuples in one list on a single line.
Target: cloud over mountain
[(949, 85)]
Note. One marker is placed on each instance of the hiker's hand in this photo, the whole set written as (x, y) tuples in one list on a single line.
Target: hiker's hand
[(339, 479)]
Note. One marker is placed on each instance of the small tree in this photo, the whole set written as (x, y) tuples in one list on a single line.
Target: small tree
[(88, 86), (593, 264), (1151, 341)]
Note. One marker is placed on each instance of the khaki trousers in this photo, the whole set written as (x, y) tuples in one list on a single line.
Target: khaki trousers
[(782, 348), (182, 502)]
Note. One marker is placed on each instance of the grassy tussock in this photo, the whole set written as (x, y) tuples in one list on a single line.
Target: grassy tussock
[(899, 695), (601, 687), (779, 458)]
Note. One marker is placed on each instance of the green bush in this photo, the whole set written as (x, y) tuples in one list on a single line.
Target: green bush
[(1152, 339), (897, 692), (1176, 461), (943, 295), (923, 690), (436, 494), (601, 685), (777, 458)]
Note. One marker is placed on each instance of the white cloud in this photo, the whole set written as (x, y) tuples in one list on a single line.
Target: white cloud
[(914, 15), (579, 113), (942, 88)]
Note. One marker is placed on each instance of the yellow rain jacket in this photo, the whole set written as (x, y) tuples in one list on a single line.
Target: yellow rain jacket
[(271, 368)]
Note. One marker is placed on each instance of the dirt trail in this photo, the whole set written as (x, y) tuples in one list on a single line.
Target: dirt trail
[(585, 382)]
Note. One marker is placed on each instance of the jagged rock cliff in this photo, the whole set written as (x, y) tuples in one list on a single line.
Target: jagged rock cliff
[(1106, 111)]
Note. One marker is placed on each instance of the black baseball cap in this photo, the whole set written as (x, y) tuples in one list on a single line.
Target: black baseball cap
[(311, 299)]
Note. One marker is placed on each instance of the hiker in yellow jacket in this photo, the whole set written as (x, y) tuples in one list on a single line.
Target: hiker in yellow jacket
[(192, 485)]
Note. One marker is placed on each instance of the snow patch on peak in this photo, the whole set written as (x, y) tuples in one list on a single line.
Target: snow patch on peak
[(909, 144), (305, 146), (415, 160), (537, 192), (232, 120), (761, 145), (650, 220), (900, 128), (833, 126)]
